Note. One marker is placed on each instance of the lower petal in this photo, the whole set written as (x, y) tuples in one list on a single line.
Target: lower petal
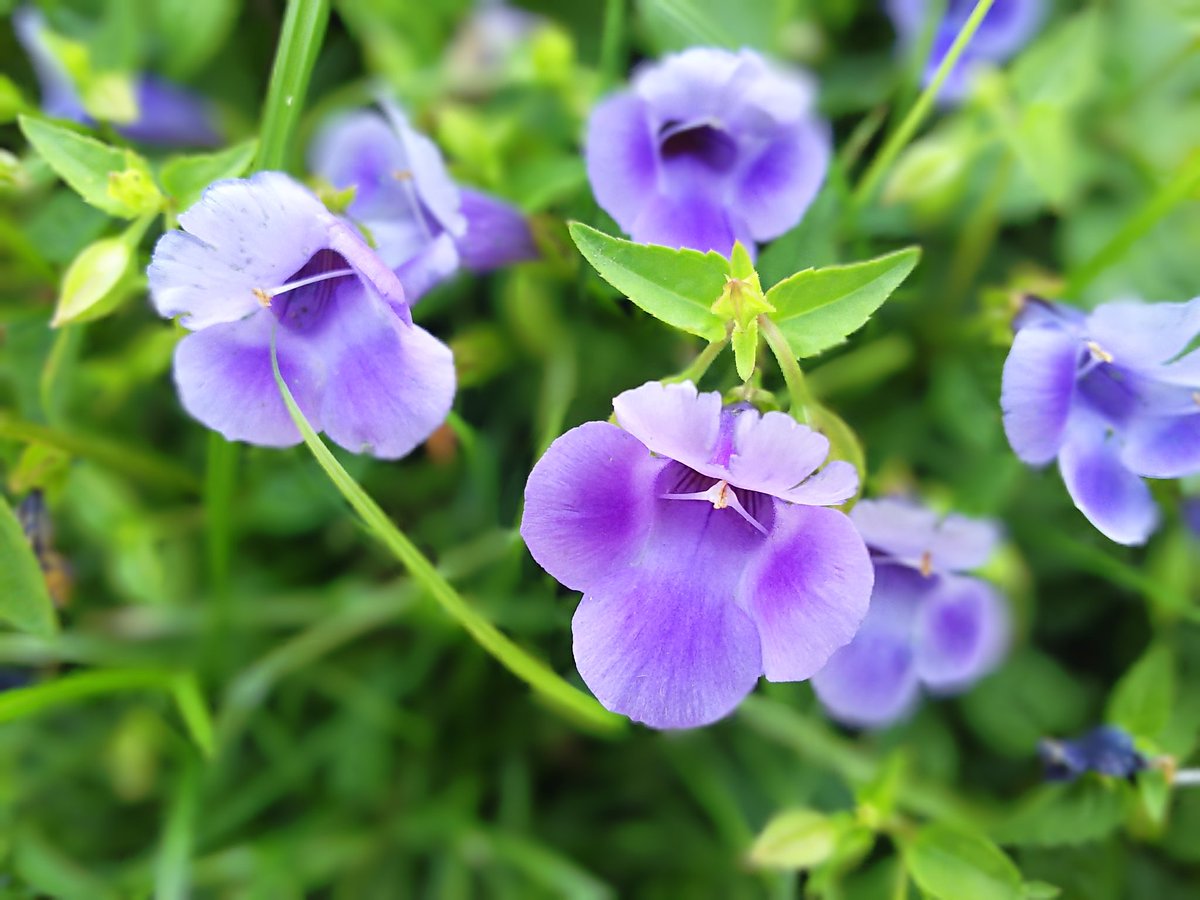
[(961, 633), (807, 590), (1112, 498), (692, 221), (870, 683), (778, 186), (622, 161), (1036, 391), (1163, 446), (225, 381)]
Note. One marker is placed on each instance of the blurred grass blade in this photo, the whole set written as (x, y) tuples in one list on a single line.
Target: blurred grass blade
[(299, 44), (561, 695), (172, 868), (24, 598), (194, 711)]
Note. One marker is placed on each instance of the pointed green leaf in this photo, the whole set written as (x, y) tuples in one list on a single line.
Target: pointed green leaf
[(184, 178), (24, 600), (678, 287), (795, 839), (745, 349), (949, 864), (113, 180), (1142, 701), (819, 308)]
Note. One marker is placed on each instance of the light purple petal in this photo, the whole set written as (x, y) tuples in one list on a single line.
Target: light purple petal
[(225, 380), (1036, 391), (389, 384), (497, 233), (240, 235), (923, 539), (171, 116), (873, 681), (432, 182), (436, 261), (374, 272), (832, 486), (692, 220), (663, 642), (673, 420), (589, 504), (778, 186), (1144, 335), (622, 160), (1112, 498), (700, 84), (1162, 446), (961, 633), (773, 453), (359, 149), (60, 99), (807, 590)]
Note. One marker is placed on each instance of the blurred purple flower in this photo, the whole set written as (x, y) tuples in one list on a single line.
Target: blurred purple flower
[(262, 257), (698, 537), (423, 224), (1115, 396), (487, 42), (708, 147), (1191, 514), (1006, 28), (167, 114), (926, 626), (1106, 750)]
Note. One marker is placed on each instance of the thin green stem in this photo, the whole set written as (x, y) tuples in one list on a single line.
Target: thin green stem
[(696, 369), (220, 481), (908, 127), (1165, 199), (612, 43), (299, 44), (802, 400)]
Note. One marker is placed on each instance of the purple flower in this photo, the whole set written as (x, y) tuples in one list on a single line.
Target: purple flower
[(423, 225), (1191, 514), (708, 147), (1115, 396), (1005, 29), (698, 537), (262, 257), (167, 114), (1106, 750), (926, 626)]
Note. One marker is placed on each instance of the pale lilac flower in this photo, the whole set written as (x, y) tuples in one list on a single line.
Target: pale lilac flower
[(262, 257), (422, 224), (1115, 396), (167, 114), (927, 626), (708, 147), (1006, 28), (699, 538)]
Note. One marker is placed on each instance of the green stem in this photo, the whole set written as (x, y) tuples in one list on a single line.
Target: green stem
[(696, 369), (802, 400), (561, 695), (908, 127), (1165, 199), (220, 481), (611, 43), (299, 43)]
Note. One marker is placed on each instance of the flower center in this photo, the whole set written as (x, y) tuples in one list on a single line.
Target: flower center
[(719, 493), (308, 291), (705, 143)]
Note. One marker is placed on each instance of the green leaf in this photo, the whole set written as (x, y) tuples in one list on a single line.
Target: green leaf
[(194, 711), (1063, 66), (949, 864), (96, 281), (11, 101), (113, 180), (557, 692), (795, 839), (745, 349), (1039, 890), (819, 308), (24, 600), (184, 178), (1155, 792), (1142, 700), (192, 32), (678, 287), (1060, 815)]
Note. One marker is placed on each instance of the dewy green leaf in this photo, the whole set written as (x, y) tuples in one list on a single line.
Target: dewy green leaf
[(819, 308), (678, 287), (561, 695), (949, 864), (24, 600), (113, 180), (184, 178), (795, 839), (1142, 700)]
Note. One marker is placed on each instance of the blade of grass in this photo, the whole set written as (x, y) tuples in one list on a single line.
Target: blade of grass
[(561, 695), (299, 44), (172, 868)]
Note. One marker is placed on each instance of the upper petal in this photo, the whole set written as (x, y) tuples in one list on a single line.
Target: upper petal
[(779, 183), (673, 420), (1037, 389), (171, 115), (1144, 335), (921, 538), (772, 452), (807, 590), (438, 193), (622, 157), (692, 218), (961, 633), (1113, 498), (589, 504)]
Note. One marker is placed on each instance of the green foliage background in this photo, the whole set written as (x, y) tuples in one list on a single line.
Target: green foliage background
[(248, 697)]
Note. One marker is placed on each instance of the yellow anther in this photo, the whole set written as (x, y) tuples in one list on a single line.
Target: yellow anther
[(1099, 352), (926, 563), (264, 298)]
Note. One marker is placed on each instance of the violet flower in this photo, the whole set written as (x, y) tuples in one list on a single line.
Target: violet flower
[(423, 224), (698, 537), (1006, 28), (927, 625), (708, 147), (262, 258), (167, 113), (1105, 750), (1115, 396)]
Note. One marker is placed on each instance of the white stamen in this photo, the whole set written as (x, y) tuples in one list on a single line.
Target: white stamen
[(720, 495), (264, 296)]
